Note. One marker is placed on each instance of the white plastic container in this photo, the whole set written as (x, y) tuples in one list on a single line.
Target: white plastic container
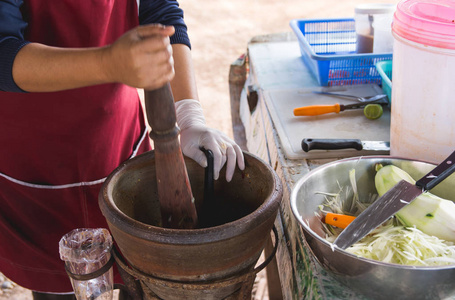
[(373, 27), (383, 39), (423, 90)]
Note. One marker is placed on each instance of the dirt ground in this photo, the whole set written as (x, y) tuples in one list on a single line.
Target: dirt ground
[(219, 31)]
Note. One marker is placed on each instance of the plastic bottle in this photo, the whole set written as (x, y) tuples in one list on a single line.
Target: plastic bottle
[(85, 251)]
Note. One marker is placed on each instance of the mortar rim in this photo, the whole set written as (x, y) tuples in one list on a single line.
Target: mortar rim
[(269, 208)]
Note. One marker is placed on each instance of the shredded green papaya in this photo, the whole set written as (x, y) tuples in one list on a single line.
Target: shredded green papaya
[(391, 242)]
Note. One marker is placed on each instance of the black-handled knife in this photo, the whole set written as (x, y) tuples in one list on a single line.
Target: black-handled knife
[(309, 144)]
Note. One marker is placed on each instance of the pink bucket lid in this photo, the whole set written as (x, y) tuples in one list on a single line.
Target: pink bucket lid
[(427, 22)]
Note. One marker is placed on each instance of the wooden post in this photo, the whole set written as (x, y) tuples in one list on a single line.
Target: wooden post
[(237, 78), (174, 191)]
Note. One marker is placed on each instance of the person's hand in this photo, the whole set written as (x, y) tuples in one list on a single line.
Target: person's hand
[(142, 57), (195, 134)]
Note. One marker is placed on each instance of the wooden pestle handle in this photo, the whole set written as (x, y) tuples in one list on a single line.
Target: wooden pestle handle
[(174, 191)]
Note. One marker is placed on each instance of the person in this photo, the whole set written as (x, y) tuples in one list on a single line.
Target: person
[(70, 114)]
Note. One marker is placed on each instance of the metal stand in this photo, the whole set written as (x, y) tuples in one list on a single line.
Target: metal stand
[(137, 283)]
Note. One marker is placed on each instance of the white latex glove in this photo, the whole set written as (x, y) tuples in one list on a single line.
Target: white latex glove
[(195, 134)]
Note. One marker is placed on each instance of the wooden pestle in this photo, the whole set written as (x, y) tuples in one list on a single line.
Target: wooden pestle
[(174, 191)]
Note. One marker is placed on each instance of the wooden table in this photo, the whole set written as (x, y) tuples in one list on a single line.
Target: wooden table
[(273, 62)]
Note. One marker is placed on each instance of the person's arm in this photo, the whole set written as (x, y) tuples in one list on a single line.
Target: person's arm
[(165, 12), (140, 58), (12, 28), (190, 117), (168, 12), (184, 83)]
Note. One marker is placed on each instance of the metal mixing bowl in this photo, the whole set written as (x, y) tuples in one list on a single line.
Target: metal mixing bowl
[(372, 278)]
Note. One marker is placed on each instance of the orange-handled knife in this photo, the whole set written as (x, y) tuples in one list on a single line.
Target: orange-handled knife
[(337, 220), (315, 110)]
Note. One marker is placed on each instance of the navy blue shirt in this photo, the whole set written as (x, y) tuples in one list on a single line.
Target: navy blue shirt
[(12, 28)]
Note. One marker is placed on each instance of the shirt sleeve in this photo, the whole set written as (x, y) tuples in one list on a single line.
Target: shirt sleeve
[(166, 12), (12, 27)]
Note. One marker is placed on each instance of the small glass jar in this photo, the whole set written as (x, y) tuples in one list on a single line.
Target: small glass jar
[(373, 21)]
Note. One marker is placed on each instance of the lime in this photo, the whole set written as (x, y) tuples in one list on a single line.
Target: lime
[(373, 111)]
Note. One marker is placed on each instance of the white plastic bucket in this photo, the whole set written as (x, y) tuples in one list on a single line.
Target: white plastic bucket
[(423, 88)]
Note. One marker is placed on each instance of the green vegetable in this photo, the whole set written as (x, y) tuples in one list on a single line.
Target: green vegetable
[(429, 213), (391, 242), (373, 111)]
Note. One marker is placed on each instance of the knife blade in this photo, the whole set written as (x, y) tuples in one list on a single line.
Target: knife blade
[(392, 201), (309, 144)]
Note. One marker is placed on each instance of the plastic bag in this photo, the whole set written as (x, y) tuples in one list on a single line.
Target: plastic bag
[(86, 251)]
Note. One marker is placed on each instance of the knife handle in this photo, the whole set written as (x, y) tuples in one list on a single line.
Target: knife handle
[(438, 174), (331, 144), (315, 110)]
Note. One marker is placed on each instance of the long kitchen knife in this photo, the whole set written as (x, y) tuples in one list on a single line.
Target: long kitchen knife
[(392, 201), (338, 144)]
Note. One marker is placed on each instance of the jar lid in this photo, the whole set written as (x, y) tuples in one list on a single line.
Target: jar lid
[(427, 22), (373, 9)]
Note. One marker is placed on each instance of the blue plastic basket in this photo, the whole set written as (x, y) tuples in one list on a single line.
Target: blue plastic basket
[(385, 71), (328, 48)]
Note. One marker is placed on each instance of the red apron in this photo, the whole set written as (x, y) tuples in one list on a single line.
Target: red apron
[(57, 148)]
